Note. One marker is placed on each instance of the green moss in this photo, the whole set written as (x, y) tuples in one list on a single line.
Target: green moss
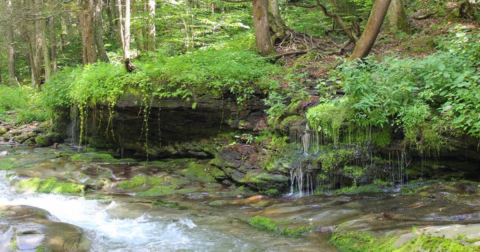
[(51, 185), (365, 241), (361, 242), (49, 139), (358, 189), (93, 157), (281, 228), (329, 118), (134, 182), (263, 223), (197, 172), (425, 138), (8, 163), (14, 245), (336, 158), (153, 181), (287, 121), (271, 192), (42, 249)]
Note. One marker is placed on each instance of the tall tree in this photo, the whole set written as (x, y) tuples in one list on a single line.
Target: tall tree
[(10, 42), (98, 27), (124, 27), (36, 43), (151, 25), (262, 33), (53, 42), (88, 35), (279, 30), (365, 43), (396, 17)]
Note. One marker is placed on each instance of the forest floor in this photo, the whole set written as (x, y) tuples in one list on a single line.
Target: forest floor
[(423, 40)]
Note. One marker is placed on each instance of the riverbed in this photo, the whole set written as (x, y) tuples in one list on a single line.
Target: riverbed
[(175, 209)]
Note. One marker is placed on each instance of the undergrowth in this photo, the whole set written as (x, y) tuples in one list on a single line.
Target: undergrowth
[(426, 99)]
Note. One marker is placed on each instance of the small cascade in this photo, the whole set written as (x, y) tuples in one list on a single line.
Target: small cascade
[(73, 130), (302, 174)]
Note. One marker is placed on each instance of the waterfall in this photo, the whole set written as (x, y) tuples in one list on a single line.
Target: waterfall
[(306, 140), (302, 173)]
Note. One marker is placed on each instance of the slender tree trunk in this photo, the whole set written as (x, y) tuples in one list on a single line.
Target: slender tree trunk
[(262, 33), (53, 42), (36, 43), (121, 29), (152, 27), (396, 17), (45, 50), (110, 9), (11, 45), (88, 35), (374, 23), (137, 29), (102, 53), (278, 29), (127, 29)]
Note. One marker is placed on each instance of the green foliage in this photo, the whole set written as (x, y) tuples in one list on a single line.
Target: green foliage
[(425, 98), (210, 71), (329, 118), (334, 159), (24, 101)]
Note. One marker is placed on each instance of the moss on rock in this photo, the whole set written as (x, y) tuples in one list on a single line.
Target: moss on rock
[(365, 241), (49, 139), (51, 185), (281, 228)]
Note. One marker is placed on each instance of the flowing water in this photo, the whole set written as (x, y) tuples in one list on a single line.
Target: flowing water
[(205, 216)]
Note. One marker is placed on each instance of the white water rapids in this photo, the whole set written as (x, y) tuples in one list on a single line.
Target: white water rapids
[(145, 233)]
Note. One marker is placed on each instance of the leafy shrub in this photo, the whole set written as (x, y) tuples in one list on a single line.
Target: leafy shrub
[(23, 100), (425, 98)]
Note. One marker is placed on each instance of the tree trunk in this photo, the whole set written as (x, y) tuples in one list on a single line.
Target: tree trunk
[(127, 30), (36, 44), (279, 30), (396, 17), (260, 21), (11, 45), (120, 25), (374, 23), (151, 22), (111, 15), (88, 35), (137, 30), (45, 50), (53, 42), (102, 53)]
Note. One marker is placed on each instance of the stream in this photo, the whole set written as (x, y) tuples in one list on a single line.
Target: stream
[(201, 215)]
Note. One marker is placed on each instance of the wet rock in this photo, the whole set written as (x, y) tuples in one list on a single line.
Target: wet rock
[(48, 140), (241, 164), (33, 229)]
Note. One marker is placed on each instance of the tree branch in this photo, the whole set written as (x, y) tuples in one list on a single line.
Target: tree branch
[(328, 14)]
